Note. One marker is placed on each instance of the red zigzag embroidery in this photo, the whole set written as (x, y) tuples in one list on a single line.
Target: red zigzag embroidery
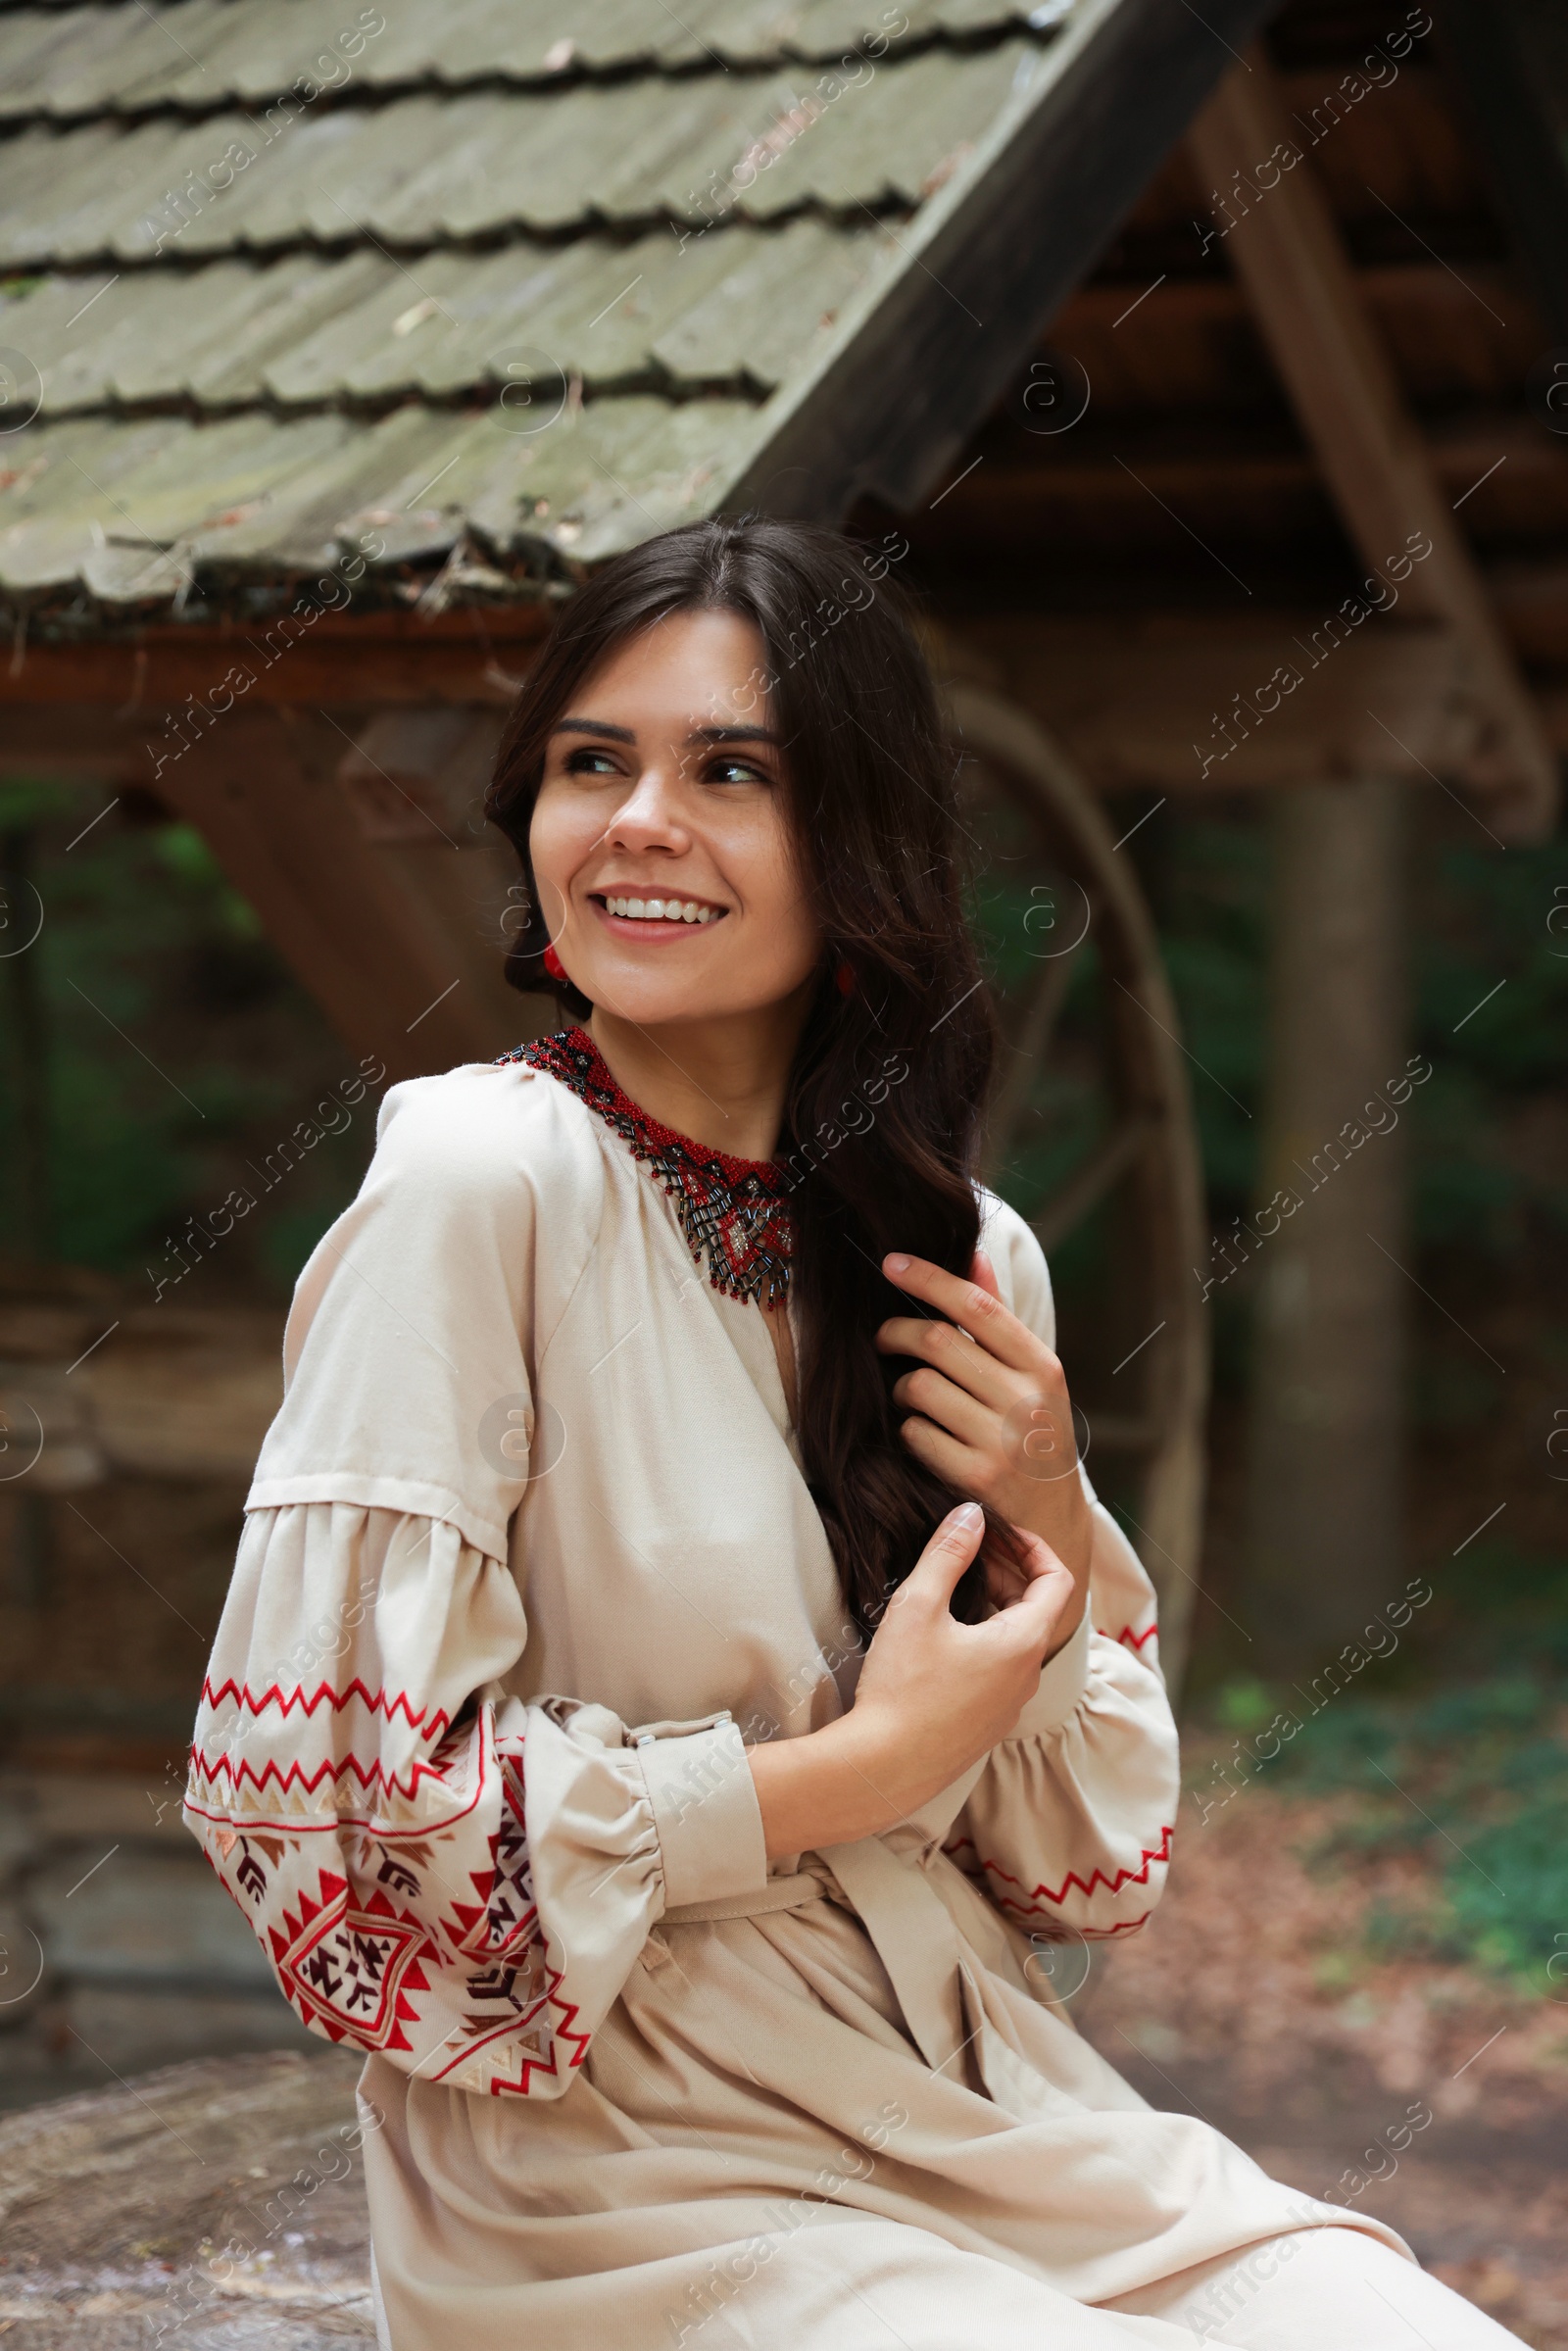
[(1127, 1637), (1097, 1876), (368, 1775), (433, 1720)]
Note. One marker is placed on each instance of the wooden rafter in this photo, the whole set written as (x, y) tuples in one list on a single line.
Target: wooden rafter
[(1287, 251), (382, 934)]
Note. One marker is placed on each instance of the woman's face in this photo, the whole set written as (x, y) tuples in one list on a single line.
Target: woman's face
[(664, 789)]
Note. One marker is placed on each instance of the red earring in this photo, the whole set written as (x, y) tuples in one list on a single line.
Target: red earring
[(553, 964), (844, 976)]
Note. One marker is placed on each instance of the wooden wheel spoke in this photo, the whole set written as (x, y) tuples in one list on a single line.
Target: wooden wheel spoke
[(1026, 1049), (1121, 1432), (1087, 1188)]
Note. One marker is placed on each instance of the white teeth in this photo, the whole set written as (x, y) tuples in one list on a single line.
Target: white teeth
[(660, 909)]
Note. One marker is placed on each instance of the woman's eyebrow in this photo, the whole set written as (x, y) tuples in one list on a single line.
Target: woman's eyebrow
[(593, 726), (733, 734)]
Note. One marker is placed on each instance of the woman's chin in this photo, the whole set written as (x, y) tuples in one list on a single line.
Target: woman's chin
[(654, 1000)]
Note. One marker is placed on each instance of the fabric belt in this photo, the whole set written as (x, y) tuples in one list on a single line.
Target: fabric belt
[(915, 1937), (775, 1893), (910, 1905), (910, 1926)]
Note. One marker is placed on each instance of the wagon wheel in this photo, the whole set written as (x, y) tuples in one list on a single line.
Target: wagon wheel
[(1091, 1121)]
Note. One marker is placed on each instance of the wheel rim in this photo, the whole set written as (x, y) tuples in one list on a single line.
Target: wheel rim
[(1144, 1167)]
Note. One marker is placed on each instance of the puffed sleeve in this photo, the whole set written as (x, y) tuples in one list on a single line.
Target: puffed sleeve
[(436, 1870), (1068, 1826)]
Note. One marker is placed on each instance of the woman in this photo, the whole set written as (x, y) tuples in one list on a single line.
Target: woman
[(678, 1691)]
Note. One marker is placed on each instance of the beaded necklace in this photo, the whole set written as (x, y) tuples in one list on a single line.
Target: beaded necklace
[(733, 1212)]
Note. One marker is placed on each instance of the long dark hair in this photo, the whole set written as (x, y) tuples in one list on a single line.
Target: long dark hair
[(889, 1078)]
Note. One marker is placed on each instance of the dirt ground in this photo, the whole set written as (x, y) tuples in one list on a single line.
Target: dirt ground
[(1248, 2000)]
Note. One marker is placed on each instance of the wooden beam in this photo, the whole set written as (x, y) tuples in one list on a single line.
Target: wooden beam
[(1218, 470), (394, 959), (1414, 299), (268, 802), (374, 659), (416, 780), (1135, 698), (1514, 62), (1288, 254), (1176, 704)]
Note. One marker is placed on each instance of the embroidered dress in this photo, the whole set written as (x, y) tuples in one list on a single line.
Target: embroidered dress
[(528, 1558)]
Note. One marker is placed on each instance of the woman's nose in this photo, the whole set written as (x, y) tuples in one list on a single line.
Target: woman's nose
[(650, 812)]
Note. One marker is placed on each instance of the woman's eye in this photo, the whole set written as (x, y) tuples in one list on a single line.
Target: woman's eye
[(591, 762), (734, 771)]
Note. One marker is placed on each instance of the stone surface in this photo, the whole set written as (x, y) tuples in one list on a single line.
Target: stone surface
[(216, 2206), (118, 1948)]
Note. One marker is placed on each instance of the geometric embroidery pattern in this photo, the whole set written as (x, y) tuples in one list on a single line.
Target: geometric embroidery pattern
[(350, 1969), (734, 1214), (377, 1934)]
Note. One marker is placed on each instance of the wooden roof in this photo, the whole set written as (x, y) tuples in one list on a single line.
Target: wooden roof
[(489, 291)]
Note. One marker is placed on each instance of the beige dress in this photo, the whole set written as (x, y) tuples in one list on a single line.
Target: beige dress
[(528, 1558)]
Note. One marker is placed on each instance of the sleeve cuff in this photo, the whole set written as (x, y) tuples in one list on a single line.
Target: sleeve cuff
[(1063, 1680), (706, 1814)]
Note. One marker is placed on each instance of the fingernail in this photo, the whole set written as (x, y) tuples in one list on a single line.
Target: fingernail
[(968, 1517), (896, 1264)]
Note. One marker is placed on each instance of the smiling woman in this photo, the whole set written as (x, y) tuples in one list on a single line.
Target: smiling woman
[(816, 821), (682, 1825)]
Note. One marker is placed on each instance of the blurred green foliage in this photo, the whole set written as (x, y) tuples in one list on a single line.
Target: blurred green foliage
[(1479, 916), (1474, 1777), (176, 1048)]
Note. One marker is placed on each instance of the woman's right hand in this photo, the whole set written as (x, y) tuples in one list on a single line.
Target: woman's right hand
[(934, 1696)]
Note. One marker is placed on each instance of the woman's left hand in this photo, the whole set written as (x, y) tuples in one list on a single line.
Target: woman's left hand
[(990, 1413)]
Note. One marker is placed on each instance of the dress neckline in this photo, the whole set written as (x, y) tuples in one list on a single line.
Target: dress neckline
[(734, 1214)]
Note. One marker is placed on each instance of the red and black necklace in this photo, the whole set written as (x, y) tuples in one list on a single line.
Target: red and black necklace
[(734, 1212)]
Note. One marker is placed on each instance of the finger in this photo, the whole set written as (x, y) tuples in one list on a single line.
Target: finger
[(972, 1308), (935, 1574), (1004, 1583), (927, 1394), (957, 1464), (1035, 1555), (984, 1273), (1028, 1559), (954, 1352), (1034, 1618)]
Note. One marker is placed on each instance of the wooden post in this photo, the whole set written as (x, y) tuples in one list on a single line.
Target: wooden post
[(1332, 1302)]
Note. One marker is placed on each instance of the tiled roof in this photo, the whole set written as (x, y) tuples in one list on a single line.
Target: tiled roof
[(448, 283)]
